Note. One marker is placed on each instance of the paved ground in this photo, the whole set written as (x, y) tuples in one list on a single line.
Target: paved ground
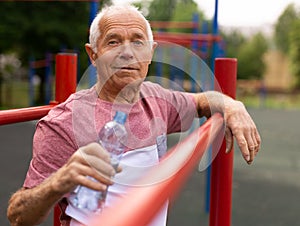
[(264, 194)]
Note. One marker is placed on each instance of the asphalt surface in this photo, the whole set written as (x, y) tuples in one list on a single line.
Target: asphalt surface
[(267, 193)]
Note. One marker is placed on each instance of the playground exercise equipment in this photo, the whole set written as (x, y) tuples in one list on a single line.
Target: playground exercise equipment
[(221, 186)]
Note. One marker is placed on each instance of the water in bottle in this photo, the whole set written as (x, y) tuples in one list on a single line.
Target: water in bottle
[(113, 138)]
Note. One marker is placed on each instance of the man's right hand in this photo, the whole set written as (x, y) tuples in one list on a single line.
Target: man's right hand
[(90, 160)]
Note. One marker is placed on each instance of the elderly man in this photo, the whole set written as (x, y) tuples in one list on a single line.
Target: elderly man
[(65, 148)]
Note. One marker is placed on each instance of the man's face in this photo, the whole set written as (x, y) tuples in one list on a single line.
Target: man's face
[(123, 49)]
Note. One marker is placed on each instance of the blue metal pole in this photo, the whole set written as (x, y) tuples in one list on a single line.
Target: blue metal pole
[(215, 32), (48, 84), (94, 7), (194, 45)]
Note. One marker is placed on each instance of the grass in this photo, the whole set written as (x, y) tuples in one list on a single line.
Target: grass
[(16, 95), (271, 101)]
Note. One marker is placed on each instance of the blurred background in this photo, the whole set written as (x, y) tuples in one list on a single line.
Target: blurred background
[(264, 36)]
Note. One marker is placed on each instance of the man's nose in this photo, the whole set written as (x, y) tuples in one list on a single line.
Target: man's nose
[(126, 52)]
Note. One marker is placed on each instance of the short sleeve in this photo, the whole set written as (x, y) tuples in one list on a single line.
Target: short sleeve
[(52, 146)]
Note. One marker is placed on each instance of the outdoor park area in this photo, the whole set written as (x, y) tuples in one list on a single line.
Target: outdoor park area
[(265, 193)]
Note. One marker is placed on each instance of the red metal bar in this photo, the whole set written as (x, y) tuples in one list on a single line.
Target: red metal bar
[(188, 36), (222, 166), (24, 114), (173, 24), (66, 82), (66, 75), (143, 202)]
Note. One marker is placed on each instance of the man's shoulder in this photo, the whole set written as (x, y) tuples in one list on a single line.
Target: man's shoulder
[(64, 110)]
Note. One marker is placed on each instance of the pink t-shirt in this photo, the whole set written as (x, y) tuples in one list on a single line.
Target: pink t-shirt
[(76, 122)]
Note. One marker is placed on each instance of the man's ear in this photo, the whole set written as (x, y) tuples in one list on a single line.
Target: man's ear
[(92, 55), (154, 45)]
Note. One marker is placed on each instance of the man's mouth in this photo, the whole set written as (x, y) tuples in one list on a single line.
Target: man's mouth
[(126, 68)]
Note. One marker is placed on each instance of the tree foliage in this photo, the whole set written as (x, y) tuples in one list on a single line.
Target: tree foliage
[(294, 51), (169, 10), (34, 28), (250, 57), (287, 38), (190, 8), (284, 26), (234, 40), (161, 10)]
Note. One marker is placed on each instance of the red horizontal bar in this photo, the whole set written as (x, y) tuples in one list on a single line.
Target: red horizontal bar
[(141, 204), (24, 114), (173, 24), (186, 36)]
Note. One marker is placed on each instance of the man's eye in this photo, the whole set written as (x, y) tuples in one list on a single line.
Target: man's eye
[(138, 43), (113, 43)]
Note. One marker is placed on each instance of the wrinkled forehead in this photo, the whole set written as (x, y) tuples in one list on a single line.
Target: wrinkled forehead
[(124, 20)]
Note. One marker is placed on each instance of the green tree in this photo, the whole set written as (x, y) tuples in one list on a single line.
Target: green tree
[(284, 26), (294, 50), (234, 40), (250, 57), (161, 10), (34, 28), (190, 8)]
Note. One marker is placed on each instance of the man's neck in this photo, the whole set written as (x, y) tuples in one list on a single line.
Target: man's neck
[(128, 95)]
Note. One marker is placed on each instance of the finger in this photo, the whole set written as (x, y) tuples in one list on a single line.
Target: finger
[(74, 173), (256, 145), (99, 165), (119, 169), (258, 139), (229, 140), (85, 171), (92, 183), (242, 143), (252, 145), (97, 150)]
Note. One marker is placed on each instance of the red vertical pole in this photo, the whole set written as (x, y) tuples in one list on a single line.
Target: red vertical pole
[(222, 166), (65, 85), (66, 75)]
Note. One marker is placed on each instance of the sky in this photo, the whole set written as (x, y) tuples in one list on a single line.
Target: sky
[(248, 13)]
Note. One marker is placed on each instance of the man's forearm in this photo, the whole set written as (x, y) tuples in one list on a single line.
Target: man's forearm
[(210, 102), (32, 206)]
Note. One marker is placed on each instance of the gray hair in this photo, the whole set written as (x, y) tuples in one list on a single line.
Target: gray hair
[(94, 28)]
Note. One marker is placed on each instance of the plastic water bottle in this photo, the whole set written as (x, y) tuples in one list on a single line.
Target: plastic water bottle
[(113, 137)]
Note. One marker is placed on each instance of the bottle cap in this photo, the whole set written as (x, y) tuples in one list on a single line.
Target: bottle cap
[(120, 117)]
